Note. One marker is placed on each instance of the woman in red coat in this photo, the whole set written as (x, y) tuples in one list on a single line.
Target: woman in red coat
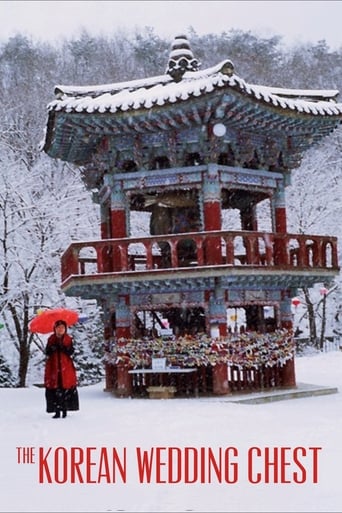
[(60, 375)]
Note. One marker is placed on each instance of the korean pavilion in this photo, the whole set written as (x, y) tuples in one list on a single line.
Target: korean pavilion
[(195, 156)]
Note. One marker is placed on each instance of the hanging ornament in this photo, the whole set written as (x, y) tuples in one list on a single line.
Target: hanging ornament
[(295, 301)]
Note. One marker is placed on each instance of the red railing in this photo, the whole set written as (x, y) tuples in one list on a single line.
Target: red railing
[(233, 248)]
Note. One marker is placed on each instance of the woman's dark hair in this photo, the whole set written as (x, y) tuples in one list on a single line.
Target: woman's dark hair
[(59, 323)]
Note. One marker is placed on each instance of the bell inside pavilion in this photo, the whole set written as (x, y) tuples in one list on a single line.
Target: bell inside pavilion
[(199, 302)]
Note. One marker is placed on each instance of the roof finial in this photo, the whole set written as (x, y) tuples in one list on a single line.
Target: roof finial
[(181, 59)]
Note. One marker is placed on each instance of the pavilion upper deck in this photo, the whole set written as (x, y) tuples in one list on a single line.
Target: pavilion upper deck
[(128, 262)]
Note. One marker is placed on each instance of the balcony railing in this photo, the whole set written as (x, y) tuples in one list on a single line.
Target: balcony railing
[(229, 248)]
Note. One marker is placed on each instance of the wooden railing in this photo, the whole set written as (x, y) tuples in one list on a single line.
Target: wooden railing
[(200, 383), (231, 248)]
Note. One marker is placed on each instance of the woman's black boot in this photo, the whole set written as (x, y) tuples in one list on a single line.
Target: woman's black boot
[(64, 414), (57, 415)]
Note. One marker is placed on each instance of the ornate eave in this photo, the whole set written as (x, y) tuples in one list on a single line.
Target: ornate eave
[(191, 280), (80, 117)]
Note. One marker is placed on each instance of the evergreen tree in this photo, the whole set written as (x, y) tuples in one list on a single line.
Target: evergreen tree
[(88, 356), (6, 375)]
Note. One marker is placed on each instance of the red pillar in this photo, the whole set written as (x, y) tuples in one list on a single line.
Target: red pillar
[(288, 374), (280, 249), (212, 214), (213, 251), (104, 255), (124, 381), (118, 223), (281, 257), (220, 379), (280, 219), (123, 333), (109, 377)]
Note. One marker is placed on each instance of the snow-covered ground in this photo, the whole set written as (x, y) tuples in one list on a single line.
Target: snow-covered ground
[(305, 434)]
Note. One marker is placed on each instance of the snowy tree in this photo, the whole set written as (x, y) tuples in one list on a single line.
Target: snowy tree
[(36, 206), (314, 207)]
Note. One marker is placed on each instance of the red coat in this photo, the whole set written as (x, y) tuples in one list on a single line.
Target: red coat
[(59, 368)]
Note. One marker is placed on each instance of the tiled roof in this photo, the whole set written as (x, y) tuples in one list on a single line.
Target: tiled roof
[(163, 90)]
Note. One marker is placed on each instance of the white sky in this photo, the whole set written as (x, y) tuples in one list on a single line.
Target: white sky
[(303, 21), (105, 422)]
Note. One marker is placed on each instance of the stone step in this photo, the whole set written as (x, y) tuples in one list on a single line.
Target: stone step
[(298, 392)]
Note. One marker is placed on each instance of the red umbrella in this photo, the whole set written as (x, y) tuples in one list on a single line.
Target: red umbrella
[(44, 322)]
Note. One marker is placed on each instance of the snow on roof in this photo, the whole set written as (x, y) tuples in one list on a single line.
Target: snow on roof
[(162, 90)]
